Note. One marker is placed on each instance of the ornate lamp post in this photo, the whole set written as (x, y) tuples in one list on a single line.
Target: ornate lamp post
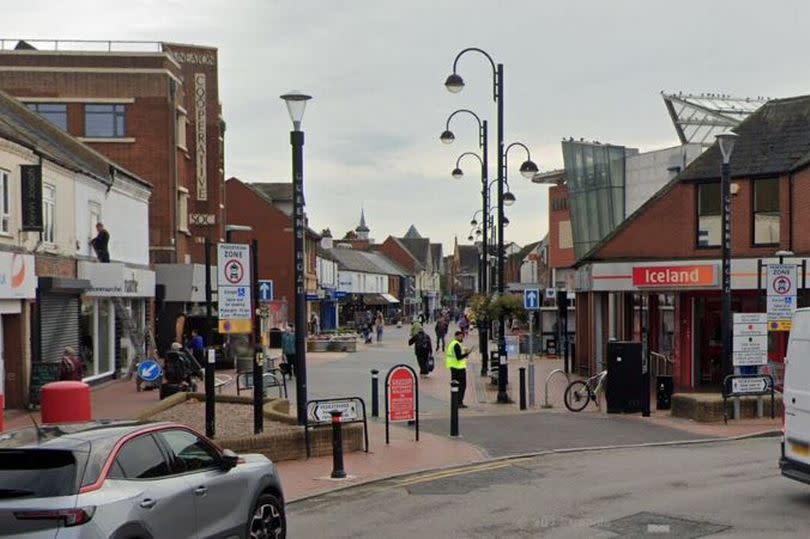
[(726, 142)]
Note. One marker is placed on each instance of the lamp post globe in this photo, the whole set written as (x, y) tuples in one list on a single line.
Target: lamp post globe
[(447, 137), (454, 83), (726, 141), (457, 173), (470, 238), (474, 222), (505, 221), (296, 105), (528, 169), (508, 198)]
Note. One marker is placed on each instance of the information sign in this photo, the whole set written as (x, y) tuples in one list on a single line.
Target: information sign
[(750, 346), (781, 286), (234, 290)]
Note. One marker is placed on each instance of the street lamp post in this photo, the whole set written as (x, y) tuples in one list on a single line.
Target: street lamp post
[(455, 84), (726, 142), (296, 104)]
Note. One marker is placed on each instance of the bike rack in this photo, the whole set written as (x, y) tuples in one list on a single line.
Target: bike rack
[(545, 389)]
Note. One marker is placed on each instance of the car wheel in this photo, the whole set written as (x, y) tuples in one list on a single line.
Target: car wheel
[(268, 520)]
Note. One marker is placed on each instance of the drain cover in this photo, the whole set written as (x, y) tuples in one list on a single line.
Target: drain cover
[(647, 524)]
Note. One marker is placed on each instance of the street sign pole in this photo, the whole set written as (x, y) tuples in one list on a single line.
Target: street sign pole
[(258, 355)]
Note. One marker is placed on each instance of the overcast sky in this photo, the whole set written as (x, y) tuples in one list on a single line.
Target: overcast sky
[(376, 70)]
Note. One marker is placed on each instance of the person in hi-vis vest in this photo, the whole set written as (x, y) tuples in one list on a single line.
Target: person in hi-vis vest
[(455, 360)]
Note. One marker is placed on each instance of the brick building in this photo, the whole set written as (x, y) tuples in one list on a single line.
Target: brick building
[(658, 273), (155, 111), (253, 204)]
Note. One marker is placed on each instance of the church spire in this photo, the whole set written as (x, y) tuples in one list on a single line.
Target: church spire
[(362, 230)]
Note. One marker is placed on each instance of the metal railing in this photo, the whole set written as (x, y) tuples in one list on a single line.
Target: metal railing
[(80, 45), (660, 365)]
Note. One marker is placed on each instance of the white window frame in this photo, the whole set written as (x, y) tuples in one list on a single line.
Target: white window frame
[(48, 214), (5, 203), (182, 209)]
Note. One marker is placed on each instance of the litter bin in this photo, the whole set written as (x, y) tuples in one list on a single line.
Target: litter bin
[(663, 392), (275, 338)]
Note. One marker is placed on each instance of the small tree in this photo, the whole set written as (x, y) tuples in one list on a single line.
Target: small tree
[(507, 306)]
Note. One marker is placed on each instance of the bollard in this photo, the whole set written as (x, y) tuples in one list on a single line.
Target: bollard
[(454, 408), (258, 391), (210, 406), (375, 393), (531, 385), (645, 392), (337, 446), (522, 388)]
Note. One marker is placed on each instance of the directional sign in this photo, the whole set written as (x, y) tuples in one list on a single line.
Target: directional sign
[(750, 346), (531, 299), (751, 385), (321, 411), (781, 285), (149, 370), (265, 290)]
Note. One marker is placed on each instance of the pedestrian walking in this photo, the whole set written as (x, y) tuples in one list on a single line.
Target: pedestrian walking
[(369, 326), (101, 243), (379, 324), (456, 360), (314, 325), (288, 349), (464, 324), (197, 346), (441, 332), (70, 367), (422, 348)]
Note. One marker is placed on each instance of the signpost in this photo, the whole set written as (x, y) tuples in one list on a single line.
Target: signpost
[(532, 306), (742, 385), (401, 397), (319, 414), (781, 284), (750, 346), (265, 290), (234, 288)]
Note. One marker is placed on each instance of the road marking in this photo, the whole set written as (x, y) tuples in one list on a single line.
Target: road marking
[(458, 471)]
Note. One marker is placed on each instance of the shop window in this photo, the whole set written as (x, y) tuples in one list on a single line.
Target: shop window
[(766, 211), (708, 215), (48, 213), (56, 113), (182, 119), (5, 203), (94, 208), (105, 121)]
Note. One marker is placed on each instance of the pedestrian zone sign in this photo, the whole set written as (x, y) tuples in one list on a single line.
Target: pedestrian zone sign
[(234, 291), (782, 285), (531, 299)]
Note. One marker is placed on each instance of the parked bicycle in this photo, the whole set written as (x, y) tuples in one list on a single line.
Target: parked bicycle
[(580, 392)]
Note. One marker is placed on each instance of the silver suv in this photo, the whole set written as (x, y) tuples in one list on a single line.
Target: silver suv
[(130, 480)]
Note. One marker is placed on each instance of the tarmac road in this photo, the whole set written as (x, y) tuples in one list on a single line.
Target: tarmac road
[(719, 489)]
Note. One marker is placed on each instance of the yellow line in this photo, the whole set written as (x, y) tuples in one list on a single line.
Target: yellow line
[(451, 473)]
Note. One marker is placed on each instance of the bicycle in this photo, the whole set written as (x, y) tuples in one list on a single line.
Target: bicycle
[(580, 392)]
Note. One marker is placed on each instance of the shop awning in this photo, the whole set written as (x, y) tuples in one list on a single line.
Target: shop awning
[(379, 299)]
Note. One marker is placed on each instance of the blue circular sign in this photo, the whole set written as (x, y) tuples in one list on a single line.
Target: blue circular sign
[(149, 370)]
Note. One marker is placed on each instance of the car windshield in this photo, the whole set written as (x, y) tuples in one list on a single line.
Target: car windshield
[(37, 473)]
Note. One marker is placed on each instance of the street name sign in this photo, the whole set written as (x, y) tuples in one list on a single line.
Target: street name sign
[(781, 286), (234, 295), (750, 346), (531, 299)]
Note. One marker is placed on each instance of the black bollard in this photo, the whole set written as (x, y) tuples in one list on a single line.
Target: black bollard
[(375, 393), (337, 446), (454, 408), (645, 392), (523, 388), (258, 391), (210, 423)]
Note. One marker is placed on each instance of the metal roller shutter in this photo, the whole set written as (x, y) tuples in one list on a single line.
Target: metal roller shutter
[(59, 324)]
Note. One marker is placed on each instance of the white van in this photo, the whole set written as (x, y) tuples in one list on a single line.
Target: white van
[(795, 461)]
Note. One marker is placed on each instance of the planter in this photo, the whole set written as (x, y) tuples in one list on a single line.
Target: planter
[(317, 345), (343, 345)]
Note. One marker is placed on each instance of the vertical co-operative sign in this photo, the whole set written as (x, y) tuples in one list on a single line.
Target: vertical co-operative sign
[(234, 288)]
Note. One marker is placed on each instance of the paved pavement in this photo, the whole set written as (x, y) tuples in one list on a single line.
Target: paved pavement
[(723, 489), (487, 429)]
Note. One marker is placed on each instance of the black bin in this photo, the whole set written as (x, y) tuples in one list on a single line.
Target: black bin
[(663, 392), (624, 390)]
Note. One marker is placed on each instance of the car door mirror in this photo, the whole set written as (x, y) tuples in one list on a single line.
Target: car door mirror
[(228, 460)]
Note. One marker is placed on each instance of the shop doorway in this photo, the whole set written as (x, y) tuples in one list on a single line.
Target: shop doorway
[(708, 343)]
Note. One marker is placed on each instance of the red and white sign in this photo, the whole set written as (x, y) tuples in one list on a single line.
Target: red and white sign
[(675, 276), (401, 394)]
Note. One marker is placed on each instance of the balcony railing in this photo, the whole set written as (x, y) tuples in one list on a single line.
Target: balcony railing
[(79, 45)]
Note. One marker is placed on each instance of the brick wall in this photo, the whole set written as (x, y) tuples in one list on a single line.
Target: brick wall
[(55, 266), (667, 228), (395, 252), (558, 213)]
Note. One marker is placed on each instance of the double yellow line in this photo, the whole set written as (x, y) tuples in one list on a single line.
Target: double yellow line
[(424, 478)]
